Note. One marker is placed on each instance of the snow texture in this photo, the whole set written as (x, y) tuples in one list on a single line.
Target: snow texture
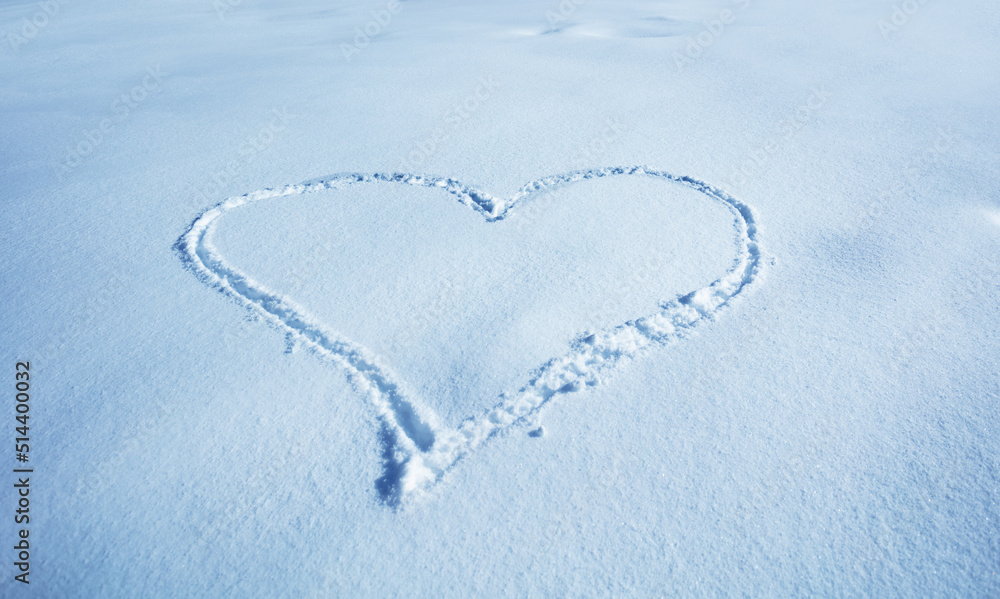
[(419, 449), (764, 363)]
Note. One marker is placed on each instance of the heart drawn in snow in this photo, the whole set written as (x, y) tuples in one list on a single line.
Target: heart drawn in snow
[(417, 448)]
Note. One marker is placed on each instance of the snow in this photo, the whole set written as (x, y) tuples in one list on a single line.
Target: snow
[(434, 298)]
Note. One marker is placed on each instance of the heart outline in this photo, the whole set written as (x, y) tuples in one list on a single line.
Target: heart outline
[(417, 449)]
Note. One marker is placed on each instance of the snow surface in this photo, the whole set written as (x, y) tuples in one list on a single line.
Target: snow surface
[(314, 312)]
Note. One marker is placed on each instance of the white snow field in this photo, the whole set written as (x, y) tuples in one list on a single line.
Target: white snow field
[(429, 298)]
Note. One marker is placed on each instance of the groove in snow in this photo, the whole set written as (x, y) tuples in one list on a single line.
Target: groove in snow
[(417, 449)]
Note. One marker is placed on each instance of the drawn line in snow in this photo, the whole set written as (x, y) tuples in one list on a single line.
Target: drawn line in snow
[(417, 449)]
